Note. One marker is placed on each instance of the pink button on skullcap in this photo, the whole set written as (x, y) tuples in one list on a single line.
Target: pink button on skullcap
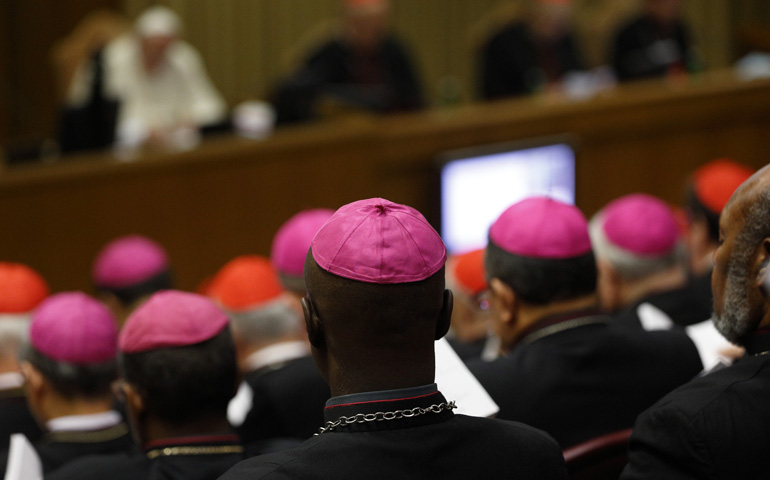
[(378, 241), (74, 328), (640, 224), (292, 241), (127, 261), (541, 227), (171, 319)]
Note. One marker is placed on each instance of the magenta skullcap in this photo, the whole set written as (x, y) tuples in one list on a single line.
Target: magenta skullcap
[(291, 243), (171, 318), (378, 241), (541, 227), (640, 224), (127, 261), (74, 328)]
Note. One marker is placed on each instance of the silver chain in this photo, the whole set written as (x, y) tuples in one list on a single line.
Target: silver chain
[(382, 416)]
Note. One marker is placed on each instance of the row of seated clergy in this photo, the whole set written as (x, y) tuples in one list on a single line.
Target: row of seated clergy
[(557, 318), (148, 87), (714, 426), (21, 291), (566, 369)]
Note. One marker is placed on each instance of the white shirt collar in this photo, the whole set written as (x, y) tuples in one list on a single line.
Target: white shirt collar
[(280, 352), (11, 380), (84, 423)]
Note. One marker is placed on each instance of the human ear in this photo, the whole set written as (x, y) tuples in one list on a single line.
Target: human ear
[(313, 324), (762, 280), (445, 315), (504, 301), (134, 400), (34, 382)]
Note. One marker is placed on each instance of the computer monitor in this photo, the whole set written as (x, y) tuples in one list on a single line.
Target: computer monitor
[(478, 184)]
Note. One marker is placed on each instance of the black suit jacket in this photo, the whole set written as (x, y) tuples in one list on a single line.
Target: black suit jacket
[(57, 449), (430, 446), (582, 378), (510, 63), (334, 70), (201, 458), (634, 55), (684, 306), (288, 402), (16, 418), (714, 427)]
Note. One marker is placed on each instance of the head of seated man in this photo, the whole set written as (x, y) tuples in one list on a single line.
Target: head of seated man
[(639, 250), (366, 23), (372, 314)]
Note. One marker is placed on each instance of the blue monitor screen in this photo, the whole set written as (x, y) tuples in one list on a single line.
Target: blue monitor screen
[(478, 184)]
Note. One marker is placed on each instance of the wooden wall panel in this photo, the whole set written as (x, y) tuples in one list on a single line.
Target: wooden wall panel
[(229, 196), (30, 28), (247, 44)]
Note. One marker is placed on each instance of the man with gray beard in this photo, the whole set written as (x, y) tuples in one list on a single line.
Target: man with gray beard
[(716, 426)]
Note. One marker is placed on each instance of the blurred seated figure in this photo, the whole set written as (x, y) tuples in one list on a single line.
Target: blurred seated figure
[(69, 365), (531, 53), (563, 368), (282, 395), (127, 271), (161, 92), (177, 360), (715, 426), (710, 187), (470, 328), (21, 291), (364, 68), (656, 43), (289, 249), (640, 253), (90, 124)]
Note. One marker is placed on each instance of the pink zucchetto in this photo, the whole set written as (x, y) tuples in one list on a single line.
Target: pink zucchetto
[(541, 227), (291, 243), (171, 318), (640, 224), (127, 261), (74, 328), (378, 241)]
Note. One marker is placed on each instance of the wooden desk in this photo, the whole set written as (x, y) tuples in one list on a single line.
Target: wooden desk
[(229, 196)]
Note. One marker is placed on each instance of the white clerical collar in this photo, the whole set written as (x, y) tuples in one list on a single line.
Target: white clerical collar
[(280, 352), (84, 423), (11, 380)]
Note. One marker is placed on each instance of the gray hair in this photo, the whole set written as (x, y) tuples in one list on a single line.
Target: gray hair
[(14, 331), (265, 323), (631, 266), (739, 315)]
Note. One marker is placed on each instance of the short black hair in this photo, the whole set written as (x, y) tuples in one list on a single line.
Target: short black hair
[(129, 294), (540, 281), (699, 211), (180, 384), (71, 380), (384, 304)]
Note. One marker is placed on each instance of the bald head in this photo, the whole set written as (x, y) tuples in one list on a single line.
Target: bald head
[(740, 262)]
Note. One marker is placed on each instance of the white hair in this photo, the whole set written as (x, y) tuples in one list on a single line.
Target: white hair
[(629, 265), (158, 21), (14, 331)]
